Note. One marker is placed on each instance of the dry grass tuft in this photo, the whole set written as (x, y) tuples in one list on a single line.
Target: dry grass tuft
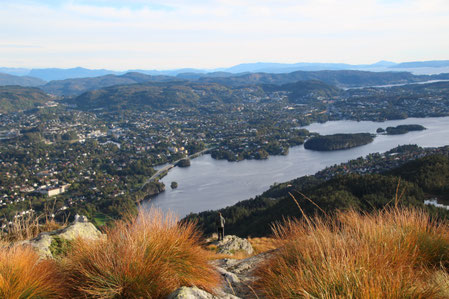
[(22, 275), (29, 226), (144, 257), (239, 255), (395, 253), (263, 244)]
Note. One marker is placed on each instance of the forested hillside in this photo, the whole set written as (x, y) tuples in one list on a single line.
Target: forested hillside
[(419, 180), (158, 95), (77, 86), (15, 98), (343, 78), (7, 79)]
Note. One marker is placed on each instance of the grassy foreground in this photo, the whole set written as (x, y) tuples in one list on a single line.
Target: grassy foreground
[(394, 253), (144, 257)]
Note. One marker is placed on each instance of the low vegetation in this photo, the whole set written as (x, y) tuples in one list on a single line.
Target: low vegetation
[(263, 244), (392, 253), (148, 256), (23, 275), (29, 226), (145, 257)]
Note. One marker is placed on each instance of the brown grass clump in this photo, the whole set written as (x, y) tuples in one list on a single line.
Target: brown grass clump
[(145, 257), (22, 275), (395, 253), (263, 244)]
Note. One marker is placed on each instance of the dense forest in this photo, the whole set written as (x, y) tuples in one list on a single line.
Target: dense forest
[(418, 180), (337, 141)]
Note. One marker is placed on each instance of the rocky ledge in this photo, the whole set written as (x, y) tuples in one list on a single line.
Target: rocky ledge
[(81, 228), (237, 274), (233, 244)]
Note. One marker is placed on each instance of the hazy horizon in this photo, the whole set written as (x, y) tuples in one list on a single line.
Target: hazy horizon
[(173, 34)]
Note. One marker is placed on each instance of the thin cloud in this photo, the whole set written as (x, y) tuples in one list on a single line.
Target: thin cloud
[(199, 33)]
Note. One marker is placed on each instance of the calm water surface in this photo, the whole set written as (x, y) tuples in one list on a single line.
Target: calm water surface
[(210, 184)]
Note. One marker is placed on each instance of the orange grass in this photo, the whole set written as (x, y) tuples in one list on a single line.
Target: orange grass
[(22, 275), (263, 244), (395, 253), (146, 257)]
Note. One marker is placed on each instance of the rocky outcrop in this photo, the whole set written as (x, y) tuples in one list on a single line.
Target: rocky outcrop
[(234, 244), (238, 275), (152, 189), (80, 228), (196, 293)]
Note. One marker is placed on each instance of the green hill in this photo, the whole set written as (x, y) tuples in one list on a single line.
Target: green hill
[(302, 92), (16, 98), (344, 78), (77, 86), (7, 79), (154, 95)]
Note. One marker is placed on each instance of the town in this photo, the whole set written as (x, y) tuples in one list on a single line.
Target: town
[(95, 162)]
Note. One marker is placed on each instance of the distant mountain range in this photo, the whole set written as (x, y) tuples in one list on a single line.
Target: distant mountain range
[(338, 78), (71, 87), (49, 74), (7, 79)]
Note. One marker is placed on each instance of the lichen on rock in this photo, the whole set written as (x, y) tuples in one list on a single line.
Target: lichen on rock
[(233, 244), (81, 228)]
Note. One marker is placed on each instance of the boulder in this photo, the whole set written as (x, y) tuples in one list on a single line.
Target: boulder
[(80, 228), (196, 293), (228, 276), (232, 244)]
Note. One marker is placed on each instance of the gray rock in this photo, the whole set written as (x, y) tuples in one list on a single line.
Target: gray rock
[(233, 244), (239, 274), (228, 276), (79, 228), (245, 266), (196, 293)]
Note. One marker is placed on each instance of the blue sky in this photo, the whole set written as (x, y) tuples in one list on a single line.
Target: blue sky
[(170, 34)]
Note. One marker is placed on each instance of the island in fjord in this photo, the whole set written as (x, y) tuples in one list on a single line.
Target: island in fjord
[(401, 129), (337, 141)]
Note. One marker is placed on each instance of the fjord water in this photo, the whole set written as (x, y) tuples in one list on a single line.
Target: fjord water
[(210, 184)]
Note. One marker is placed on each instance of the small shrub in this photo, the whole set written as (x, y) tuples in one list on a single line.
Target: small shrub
[(146, 257), (387, 254), (22, 275)]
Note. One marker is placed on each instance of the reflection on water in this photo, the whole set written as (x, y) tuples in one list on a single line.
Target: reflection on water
[(212, 184)]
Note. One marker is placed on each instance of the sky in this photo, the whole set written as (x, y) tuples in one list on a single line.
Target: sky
[(141, 34)]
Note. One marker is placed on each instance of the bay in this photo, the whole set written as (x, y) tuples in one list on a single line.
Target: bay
[(210, 184)]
